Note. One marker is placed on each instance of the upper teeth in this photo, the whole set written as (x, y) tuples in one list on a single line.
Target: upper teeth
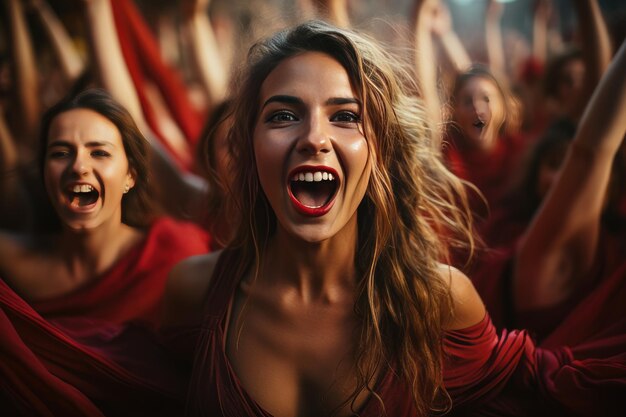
[(316, 176), (82, 188)]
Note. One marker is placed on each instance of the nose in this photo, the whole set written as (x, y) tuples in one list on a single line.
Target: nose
[(315, 138), (480, 107), (80, 164)]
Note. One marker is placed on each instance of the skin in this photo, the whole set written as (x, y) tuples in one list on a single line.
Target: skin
[(322, 129), (293, 325), (83, 147), (479, 100)]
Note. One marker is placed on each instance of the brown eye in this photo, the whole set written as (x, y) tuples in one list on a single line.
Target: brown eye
[(346, 116), (281, 117)]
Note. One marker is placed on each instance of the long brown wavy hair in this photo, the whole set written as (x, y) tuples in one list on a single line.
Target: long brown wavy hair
[(406, 221)]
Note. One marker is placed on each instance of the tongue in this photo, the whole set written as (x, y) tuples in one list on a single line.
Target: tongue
[(312, 194), (83, 199)]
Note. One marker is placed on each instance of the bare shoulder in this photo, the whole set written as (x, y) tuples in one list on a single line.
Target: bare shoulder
[(186, 288), (468, 307)]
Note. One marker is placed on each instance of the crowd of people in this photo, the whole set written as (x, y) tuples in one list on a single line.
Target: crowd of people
[(217, 208)]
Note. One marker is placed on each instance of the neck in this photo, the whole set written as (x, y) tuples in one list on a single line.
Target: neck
[(88, 253), (319, 270)]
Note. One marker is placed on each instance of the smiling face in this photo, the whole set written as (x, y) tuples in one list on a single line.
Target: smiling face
[(479, 112), (86, 170), (310, 151)]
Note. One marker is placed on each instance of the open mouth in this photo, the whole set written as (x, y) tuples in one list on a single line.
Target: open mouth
[(313, 189), (82, 195), (479, 124)]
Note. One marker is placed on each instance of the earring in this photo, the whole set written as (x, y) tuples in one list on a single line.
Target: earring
[(126, 188)]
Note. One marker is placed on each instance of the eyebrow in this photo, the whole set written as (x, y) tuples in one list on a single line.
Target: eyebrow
[(91, 144), (287, 99)]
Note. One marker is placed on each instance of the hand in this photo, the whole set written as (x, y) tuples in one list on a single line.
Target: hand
[(441, 21), (494, 9)]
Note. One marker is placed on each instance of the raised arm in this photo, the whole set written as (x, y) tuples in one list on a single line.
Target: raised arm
[(71, 62), (425, 62), (493, 38), (541, 14), (108, 59), (596, 50), (205, 52), (24, 74), (8, 150), (441, 26), (560, 245), (336, 11), (181, 192)]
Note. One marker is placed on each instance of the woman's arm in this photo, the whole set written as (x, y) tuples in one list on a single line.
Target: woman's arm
[(205, 52), (559, 247), (441, 26), (596, 50), (540, 29), (336, 11), (493, 38), (425, 62), (25, 76), (71, 63), (181, 192), (8, 150), (108, 59)]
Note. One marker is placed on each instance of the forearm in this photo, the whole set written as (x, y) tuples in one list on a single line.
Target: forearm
[(425, 64), (108, 59), (8, 150), (455, 51), (566, 228), (596, 50), (540, 32), (493, 39), (206, 55), (25, 72), (71, 63)]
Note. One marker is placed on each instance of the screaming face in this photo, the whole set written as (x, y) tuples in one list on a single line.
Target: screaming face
[(311, 154), (85, 169), (479, 112)]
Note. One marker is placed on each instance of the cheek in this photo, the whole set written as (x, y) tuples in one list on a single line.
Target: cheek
[(51, 175)]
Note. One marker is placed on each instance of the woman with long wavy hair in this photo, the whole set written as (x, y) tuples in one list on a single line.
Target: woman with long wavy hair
[(330, 298)]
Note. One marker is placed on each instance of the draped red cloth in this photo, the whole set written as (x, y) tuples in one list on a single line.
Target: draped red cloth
[(144, 62), (485, 373), (71, 356), (490, 172), (81, 367), (133, 288)]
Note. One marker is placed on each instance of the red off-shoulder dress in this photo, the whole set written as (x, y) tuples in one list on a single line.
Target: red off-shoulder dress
[(485, 373)]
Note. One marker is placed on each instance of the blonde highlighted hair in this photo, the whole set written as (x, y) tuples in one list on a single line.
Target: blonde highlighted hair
[(407, 220)]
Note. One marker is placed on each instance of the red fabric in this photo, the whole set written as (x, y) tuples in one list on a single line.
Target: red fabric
[(81, 367), (485, 374), (491, 172), (71, 356), (142, 56), (608, 267), (133, 288)]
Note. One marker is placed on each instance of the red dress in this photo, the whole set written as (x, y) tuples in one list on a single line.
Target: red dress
[(133, 288), (71, 356), (485, 374), (491, 172)]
